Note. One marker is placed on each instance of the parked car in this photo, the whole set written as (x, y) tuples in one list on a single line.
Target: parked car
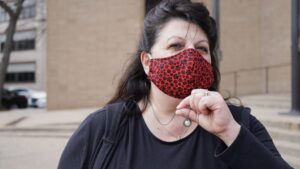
[(35, 98), (10, 99), (38, 99)]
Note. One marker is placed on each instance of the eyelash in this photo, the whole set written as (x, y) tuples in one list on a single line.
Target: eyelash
[(177, 46), (203, 49)]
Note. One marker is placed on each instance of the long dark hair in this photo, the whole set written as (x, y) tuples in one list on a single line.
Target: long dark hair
[(134, 85)]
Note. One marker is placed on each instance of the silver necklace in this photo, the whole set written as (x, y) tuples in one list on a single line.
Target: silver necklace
[(187, 123), (157, 119)]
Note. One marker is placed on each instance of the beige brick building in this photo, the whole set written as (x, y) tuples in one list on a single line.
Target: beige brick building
[(255, 44), (89, 43)]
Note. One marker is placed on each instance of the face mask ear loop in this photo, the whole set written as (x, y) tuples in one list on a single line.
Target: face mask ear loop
[(149, 56)]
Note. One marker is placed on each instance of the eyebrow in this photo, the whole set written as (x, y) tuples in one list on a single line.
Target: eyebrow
[(179, 37), (201, 41)]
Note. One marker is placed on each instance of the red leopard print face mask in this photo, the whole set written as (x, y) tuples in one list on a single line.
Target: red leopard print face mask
[(179, 74)]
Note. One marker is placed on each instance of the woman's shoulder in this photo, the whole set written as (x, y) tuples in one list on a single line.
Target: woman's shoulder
[(94, 126), (93, 123), (87, 138), (102, 114), (111, 114)]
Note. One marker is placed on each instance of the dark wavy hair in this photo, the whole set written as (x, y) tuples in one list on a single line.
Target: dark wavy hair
[(134, 85)]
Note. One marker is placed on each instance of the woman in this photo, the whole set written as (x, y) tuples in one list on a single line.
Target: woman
[(167, 113)]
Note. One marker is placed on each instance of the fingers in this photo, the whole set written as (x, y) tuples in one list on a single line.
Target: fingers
[(193, 105), (199, 113), (198, 91), (188, 113), (192, 100), (202, 106), (207, 109), (200, 101), (185, 103)]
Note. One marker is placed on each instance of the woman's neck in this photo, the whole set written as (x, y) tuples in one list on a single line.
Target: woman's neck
[(162, 103), (160, 118)]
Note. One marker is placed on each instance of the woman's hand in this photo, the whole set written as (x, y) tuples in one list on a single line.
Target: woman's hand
[(210, 111)]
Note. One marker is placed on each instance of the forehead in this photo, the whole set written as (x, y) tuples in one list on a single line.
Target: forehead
[(181, 28)]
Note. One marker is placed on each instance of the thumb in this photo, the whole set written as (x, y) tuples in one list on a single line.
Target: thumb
[(187, 113), (185, 103)]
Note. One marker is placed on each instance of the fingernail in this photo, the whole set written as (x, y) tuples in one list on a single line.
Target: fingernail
[(184, 111)]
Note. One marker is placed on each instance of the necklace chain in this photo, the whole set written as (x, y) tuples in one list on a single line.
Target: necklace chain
[(154, 113), (179, 137)]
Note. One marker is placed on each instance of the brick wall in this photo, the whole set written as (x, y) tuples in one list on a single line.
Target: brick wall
[(255, 43), (88, 44)]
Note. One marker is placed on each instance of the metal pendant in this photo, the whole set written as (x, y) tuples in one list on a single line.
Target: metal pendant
[(187, 122)]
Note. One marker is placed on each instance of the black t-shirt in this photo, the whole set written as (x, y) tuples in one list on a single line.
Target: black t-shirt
[(140, 149)]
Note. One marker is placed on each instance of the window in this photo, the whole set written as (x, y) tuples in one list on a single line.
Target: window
[(23, 40), (28, 11), (3, 16), (21, 45), (20, 73), (20, 77)]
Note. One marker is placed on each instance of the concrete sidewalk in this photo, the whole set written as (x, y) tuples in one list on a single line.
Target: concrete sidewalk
[(35, 138), (37, 117)]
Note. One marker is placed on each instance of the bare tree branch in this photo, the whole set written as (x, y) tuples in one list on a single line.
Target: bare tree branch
[(19, 8), (10, 31), (7, 9)]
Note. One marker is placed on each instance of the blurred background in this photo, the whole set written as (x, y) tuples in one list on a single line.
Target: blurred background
[(89, 42), (68, 56), (76, 51)]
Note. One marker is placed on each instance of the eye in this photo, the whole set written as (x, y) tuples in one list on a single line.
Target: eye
[(203, 49), (175, 46)]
